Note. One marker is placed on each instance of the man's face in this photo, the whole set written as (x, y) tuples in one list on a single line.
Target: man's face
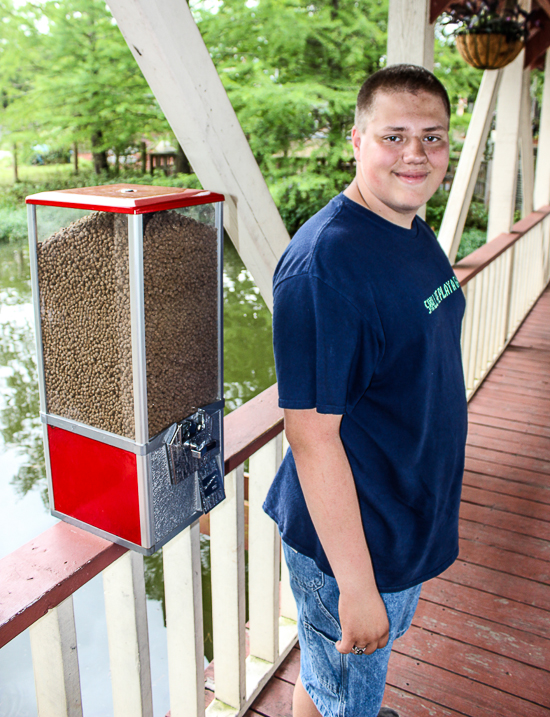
[(402, 154)]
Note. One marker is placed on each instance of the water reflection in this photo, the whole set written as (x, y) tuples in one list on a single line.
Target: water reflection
[(249, 369), (19, 420), (249, 364)]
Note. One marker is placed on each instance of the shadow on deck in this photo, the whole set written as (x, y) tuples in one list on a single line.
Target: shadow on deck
[(480, 641)]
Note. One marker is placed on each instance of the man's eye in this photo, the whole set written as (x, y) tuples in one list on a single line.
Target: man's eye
[(431, 138), (392, 138)]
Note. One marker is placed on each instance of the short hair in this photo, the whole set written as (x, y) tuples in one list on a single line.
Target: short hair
[(398, 78)]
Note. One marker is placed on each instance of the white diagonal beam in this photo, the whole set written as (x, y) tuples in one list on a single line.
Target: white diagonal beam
[(467, 170), (169, 49)]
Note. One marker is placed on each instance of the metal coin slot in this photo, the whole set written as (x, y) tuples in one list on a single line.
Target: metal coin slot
[(200, 450), (188, 445)]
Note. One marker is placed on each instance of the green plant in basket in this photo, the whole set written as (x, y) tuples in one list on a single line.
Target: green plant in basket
[(489, 33)]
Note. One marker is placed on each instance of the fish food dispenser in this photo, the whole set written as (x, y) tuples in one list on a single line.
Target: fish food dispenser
[(128, 305)]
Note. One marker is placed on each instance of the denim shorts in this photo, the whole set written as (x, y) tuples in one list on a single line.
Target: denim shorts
[(340, 685)]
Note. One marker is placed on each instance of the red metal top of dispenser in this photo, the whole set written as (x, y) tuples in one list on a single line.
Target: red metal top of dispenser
[(125, 198)]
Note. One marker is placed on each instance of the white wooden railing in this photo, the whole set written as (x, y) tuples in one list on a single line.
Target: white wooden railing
[(501, 281)]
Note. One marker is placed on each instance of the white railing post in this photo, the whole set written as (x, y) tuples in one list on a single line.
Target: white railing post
[(184, 622), (510, 291), (482, 325), (476, 312), (55, 663), (503, 274), (263, 555), (228, 592), (126, 612)]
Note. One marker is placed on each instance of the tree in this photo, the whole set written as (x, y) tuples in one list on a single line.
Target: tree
[(17, 51), (291, 71), (84, 86)]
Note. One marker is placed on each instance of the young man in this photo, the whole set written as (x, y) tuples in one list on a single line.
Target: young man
[(366, 326)]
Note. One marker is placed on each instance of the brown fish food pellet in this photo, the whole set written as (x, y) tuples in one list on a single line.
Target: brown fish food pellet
[(86, 323)]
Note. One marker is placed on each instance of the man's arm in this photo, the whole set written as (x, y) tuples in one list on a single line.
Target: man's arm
[(331, 497)]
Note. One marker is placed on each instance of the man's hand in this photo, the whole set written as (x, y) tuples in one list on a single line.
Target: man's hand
[(364, 622)]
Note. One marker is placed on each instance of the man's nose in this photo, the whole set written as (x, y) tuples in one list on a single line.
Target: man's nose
[(414, 151)]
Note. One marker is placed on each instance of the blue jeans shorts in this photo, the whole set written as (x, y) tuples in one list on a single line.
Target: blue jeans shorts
[(340, 685)]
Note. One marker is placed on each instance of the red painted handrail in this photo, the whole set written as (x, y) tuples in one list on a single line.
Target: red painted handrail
[(42, 573), (45, 571)]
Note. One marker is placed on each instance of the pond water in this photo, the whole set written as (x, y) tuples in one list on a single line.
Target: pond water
[(249, 369)]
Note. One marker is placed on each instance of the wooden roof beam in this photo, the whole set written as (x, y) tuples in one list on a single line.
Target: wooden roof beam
[(539, 41), (439, 6)]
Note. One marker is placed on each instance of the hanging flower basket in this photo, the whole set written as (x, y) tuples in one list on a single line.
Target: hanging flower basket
[(489, 33), (488, 51)]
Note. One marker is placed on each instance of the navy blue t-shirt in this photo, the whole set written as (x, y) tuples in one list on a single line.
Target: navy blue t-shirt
[(366, 324)]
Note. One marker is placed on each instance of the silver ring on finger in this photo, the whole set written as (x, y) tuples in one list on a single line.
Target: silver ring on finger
[(359, 650)]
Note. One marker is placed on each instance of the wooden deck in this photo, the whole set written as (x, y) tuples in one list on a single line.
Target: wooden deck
[(480, 641)]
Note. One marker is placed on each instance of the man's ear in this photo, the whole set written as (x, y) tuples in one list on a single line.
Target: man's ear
[(356, 143)]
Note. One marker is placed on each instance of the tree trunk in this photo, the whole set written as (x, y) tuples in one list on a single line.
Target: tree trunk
[(182, 163), (75, 157), (99, 155), (15, 171), (117, 163), (143, 158)]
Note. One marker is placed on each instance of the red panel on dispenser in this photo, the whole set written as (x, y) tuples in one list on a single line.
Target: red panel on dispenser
[(95, 483)]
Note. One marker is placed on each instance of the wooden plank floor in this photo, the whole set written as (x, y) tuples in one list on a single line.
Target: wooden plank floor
[(480, 641)]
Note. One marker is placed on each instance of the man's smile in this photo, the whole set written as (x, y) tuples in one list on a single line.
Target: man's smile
[(412, 177)]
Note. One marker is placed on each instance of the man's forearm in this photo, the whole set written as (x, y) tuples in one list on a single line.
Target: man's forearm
[(331, 497), (330, 493)]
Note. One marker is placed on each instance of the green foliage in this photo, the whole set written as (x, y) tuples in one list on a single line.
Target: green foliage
[(292, 72), (477, 217), (13, 224), (471, 240), (68, 76), (301, 195), (460, 79), (435, 209)]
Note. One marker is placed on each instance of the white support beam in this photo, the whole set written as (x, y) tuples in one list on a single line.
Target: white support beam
[(410, 38), (505, 160), (184, 624), (126, 613), (526, 147), (542, 177), (55, 663), (169, 49), (410, 35), (471, 155)]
